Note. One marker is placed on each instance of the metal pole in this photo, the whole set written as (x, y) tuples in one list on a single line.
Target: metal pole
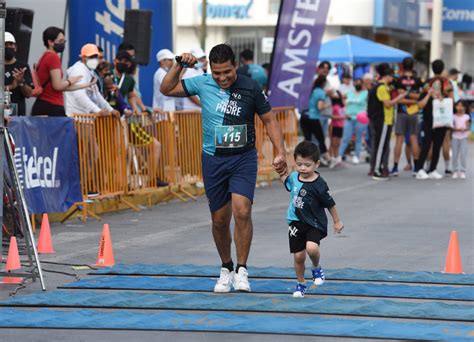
[(3, 15), (436, 31), (203, 25)]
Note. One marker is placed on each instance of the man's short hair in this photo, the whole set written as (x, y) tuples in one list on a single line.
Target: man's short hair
[(247, 55), (437, 66), (323, 64), (384, 69), (123, 54), (125, 46), (408, 64), (307, 149), (100, 49), (51, 33), (222, 53)]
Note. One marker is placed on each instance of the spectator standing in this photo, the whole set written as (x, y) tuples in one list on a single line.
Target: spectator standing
[(453, 75), (346, 85), (431, 135), (124, 81), (90, 99), (312, 124), (17, 75), (461, 127), (50, 74), (337, 124), (356, 104), (251, 69), (407, 116), (381, 113), (161, 102)]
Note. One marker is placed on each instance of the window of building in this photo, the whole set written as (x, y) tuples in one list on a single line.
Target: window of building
[(274, 6)]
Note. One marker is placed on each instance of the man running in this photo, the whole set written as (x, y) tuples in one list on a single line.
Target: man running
[(229, 159)]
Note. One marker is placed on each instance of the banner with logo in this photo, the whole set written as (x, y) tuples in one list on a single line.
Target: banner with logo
[(102, 22), (46, 159), (295, 51), (458, 15)]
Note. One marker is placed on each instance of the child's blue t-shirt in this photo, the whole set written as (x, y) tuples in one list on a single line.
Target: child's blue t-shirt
[(308, 201)]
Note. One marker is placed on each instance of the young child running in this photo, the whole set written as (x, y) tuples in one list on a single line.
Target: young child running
[(306, 216), (459, 141)]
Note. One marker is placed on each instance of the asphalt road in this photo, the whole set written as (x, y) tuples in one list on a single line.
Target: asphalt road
[(399, 224)]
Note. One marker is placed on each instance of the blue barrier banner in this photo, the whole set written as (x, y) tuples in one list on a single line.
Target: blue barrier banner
[(295, 51), (46, 158), (102, 22)]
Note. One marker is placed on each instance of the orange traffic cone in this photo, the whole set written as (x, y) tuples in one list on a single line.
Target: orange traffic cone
[(13, 263), (453, 259), (106, 254), (45, 245)]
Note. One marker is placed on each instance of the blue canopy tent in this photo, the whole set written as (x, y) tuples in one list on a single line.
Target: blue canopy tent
[(356, 50)]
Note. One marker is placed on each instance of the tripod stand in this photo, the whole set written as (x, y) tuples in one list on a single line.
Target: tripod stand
[(34, 266)]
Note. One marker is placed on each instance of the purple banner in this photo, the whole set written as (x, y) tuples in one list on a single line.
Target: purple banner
[(295, 52)]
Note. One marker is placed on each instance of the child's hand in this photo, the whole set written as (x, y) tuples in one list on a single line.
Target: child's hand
[(338, 227)]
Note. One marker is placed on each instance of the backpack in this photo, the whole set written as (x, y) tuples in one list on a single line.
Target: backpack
[(374, 105), (38, 87)]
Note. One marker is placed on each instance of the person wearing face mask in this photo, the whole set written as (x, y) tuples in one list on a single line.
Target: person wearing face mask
[(50, 74), (356, 105), (192, 102), (122, 77), (90, 99), (162, 103), (17, 76)]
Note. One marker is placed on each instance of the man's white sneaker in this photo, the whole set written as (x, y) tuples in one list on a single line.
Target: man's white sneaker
[(241, 280), (224, 281), (355, 160), (435, 175), (463, 175), (455, 175), (422, 174)]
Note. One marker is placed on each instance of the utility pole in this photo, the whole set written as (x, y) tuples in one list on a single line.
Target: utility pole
[(436, 31), (203, 25)]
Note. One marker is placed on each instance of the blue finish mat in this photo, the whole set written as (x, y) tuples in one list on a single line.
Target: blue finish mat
[(229, 322), (278, 286), (244, 302), (289, 273)]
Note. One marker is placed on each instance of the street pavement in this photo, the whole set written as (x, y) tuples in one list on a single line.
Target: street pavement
[(399, 224)]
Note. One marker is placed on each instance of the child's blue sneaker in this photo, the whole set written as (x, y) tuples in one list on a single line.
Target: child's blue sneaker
[(318, 276), (299, 290)]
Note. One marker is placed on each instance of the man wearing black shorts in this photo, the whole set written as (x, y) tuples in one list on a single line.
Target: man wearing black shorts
[(229, 159)]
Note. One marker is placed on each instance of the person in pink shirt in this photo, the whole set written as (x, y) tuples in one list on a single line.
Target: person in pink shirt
[(461, 125), (337, 124)]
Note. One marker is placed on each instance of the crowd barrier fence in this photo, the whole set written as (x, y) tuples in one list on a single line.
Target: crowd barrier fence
[(118, 157)]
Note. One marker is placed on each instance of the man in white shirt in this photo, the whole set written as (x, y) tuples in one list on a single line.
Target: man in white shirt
[(87, 100), (192, 102), (162, 103)]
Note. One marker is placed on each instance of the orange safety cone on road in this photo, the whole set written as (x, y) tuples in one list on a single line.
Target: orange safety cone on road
[(106, 254), (13, 263), (45, 244), (453, 258)]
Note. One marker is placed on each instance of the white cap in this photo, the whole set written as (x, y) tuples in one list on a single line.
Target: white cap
[(9, 38), (198, 53), (164, 54), (367, 76)]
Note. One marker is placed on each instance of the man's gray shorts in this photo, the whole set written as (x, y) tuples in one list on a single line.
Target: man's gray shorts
[(406, 124)]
